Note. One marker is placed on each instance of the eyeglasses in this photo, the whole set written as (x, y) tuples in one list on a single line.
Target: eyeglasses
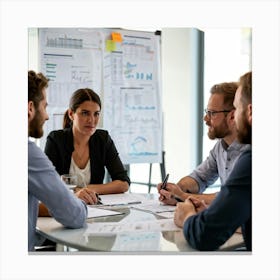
[(211, 114)]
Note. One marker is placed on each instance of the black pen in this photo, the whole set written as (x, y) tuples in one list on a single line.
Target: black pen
[(163, 186), (178, 199), (98, 198)]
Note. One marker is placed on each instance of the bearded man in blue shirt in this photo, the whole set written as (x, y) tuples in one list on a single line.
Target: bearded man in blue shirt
[(44, 183), (207, 228)]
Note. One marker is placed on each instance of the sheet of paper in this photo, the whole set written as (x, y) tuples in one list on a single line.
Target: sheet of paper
[(122, 199), (155, 207), (145, 226), (94, 212), (132, 95)]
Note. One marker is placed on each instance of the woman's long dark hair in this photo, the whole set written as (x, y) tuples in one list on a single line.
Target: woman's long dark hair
[(78, 97)]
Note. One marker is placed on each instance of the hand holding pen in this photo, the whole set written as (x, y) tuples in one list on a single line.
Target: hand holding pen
[(166, 195), (168, 199), (88, 196)]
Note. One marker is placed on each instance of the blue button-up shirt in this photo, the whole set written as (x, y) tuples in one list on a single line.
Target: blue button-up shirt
[(45, 185), (218, 164)]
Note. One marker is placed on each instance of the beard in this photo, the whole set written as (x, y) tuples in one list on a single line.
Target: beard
[(244, 132), (36, 126), (218, 132)]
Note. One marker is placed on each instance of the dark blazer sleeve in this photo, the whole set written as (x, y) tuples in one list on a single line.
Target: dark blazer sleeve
[(59, 149), (212, 227), (105, 151)]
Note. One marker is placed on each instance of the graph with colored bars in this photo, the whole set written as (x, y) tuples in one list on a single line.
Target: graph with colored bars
[(140, 76), (144, 76), (129, 73), (51, 69)]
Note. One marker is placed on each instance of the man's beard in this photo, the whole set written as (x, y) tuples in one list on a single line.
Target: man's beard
[(36, 126), (244, 133), (218, 132)]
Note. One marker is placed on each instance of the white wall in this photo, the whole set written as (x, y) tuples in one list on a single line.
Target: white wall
[(33, 55), (179, 94)]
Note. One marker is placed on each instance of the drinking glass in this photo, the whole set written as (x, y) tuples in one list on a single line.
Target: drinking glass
[(70, 180)]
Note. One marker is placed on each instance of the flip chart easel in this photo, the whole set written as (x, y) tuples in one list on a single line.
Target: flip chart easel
[(149, 183), (123, 67)]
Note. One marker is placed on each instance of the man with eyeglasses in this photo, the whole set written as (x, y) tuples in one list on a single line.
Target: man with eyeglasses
[(219, 117), (207, 228)]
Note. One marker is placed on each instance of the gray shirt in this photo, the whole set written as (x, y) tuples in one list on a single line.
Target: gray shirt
[(219, 163), (45, 185)]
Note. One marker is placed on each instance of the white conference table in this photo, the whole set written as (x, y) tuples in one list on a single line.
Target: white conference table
[(163, 242)]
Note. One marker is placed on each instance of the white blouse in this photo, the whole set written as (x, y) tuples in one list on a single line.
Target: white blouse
[(83, 175)]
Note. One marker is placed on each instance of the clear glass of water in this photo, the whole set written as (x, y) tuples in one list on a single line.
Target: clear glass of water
[(70, 180)]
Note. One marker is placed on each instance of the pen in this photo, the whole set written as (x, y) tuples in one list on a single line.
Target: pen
[(98, 198), (163, 186), (136, 202), (178, 199)]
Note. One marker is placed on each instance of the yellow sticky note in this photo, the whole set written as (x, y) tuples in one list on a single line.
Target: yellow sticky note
[(110, 46), (116, 37)]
